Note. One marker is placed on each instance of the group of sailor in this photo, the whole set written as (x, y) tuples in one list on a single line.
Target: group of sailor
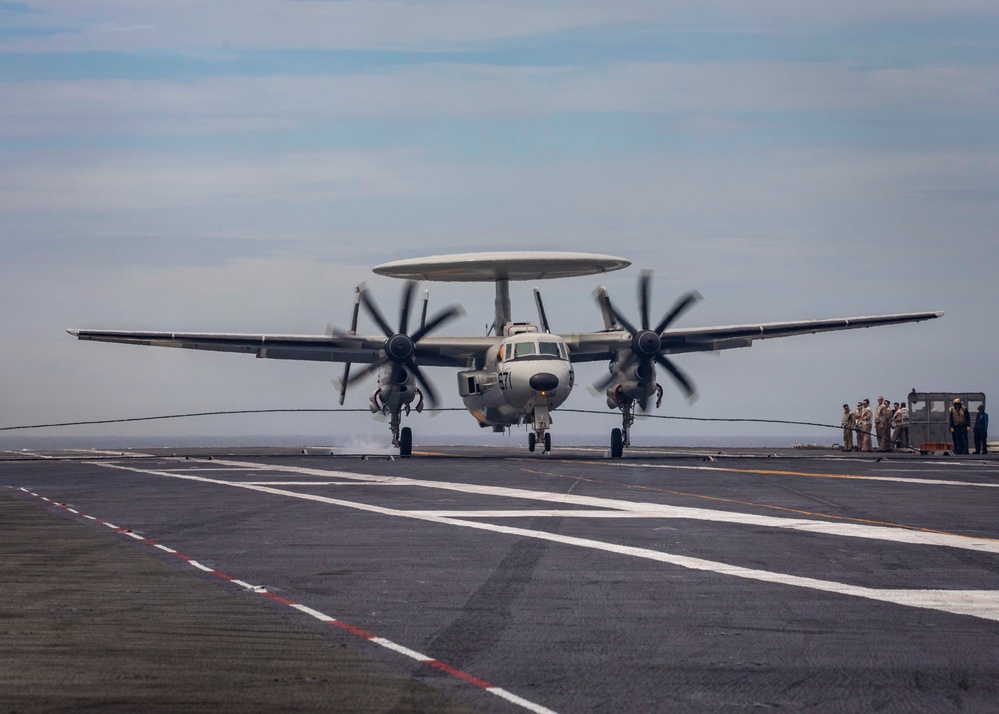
[(890, 423)]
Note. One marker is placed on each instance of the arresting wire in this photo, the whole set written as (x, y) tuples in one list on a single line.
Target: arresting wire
[(229, 412)]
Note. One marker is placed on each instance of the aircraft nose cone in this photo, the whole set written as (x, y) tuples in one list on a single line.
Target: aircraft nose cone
[(543, 382)]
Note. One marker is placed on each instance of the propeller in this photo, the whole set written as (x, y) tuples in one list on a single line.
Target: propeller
[(400, 347), (330, 330), (646, 342)]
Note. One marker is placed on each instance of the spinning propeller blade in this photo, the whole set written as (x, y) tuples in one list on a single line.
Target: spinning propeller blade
[(646, 343), (345, 380), (400, 347)]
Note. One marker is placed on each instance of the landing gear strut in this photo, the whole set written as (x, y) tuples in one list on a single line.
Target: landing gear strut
[(542, 420), (401, 437), (621, 438)]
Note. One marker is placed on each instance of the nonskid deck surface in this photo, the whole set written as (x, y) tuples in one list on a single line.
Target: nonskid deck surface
[(674, 579)]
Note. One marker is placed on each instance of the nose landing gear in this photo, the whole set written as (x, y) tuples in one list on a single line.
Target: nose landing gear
[(542, 421), (546, 441)]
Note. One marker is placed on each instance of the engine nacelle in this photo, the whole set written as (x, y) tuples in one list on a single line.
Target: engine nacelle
[(636, 383), (393, 393)]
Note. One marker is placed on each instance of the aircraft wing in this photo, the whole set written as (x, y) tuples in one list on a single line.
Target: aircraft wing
[(430, 351), (596, 346)]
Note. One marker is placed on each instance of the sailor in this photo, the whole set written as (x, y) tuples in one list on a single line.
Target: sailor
[(847, 423), (882, 421), (960, 425), (981, 431), (900, 422), (864, 425)]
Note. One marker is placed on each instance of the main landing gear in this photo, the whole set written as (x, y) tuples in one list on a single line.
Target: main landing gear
[(617, 443), (402, 437), (621, 438), (405, 442)]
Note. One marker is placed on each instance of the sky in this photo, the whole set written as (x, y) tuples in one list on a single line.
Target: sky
[(241, 166)]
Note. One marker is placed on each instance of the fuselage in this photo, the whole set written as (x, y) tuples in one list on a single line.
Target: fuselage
[(528, 370)]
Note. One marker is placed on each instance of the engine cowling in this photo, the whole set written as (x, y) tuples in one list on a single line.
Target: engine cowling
[(396, 387), (636, 382)]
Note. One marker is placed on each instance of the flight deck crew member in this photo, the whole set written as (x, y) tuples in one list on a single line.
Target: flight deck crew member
[(847, 423), (882, 418), (960, 425), (900, 420), (864, 424), (981, 431)]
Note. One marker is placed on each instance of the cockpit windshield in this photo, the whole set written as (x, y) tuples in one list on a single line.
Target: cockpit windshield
[(548, 348), (523, 349), (543, 349)]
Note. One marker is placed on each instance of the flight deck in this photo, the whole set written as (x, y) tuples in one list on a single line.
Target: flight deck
[(484, 579)]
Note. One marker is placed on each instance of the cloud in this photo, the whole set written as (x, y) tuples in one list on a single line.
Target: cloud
[(55, 26), (247, 105), (252, 194), (130, 181)]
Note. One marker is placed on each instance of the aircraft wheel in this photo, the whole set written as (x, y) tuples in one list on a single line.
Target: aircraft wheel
[(548, 442), (617, 444), (406, 442), (532, 440)]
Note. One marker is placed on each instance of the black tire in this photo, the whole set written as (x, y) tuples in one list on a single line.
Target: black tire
[(532, 440), (406, 442), (617, 444), (548, 441)]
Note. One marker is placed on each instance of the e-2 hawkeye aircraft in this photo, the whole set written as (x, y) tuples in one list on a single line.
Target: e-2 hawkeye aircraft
[(518, 373)]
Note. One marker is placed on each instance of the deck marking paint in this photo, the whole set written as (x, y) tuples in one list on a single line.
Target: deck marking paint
[(322, 617), (983, 604), (896, 534), (739, 502), (809, 474)]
